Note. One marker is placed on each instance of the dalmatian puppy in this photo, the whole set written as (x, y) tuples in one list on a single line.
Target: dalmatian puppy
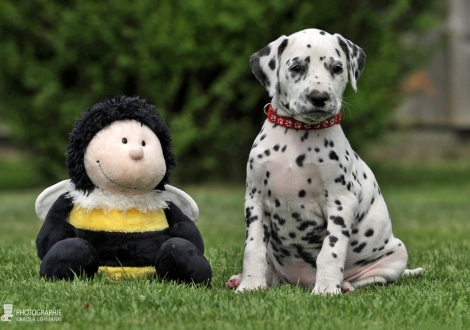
[(315, 215)]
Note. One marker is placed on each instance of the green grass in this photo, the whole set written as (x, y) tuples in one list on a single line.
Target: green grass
[(430, 209)]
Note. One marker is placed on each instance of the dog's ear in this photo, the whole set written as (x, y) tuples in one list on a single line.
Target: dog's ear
[(356, 59), (265, 64)]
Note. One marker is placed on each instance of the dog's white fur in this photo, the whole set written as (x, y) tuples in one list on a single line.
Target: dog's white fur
[(315, 215)]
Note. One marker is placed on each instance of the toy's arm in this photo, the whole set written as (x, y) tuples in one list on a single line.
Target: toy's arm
[(55, 227), (183, 227)]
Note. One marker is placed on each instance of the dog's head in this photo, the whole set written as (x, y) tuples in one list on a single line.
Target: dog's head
[(307, 72)]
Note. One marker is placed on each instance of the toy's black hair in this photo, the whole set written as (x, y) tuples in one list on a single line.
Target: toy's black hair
[(103, 114)]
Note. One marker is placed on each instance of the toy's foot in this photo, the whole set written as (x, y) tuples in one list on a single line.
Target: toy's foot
[(69, 258), (234, 281), (179, 260)]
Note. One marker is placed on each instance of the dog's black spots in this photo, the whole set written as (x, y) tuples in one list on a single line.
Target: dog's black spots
[(357, 157), (317, 149), (268, 174), (337, 220), (307, 59), (309, 149), (284, 148), (268, 214), (286, 105), (386, 241), (326, 194), (355, 231), (254, 145), (353, 243), (381, 248), (304, 225), (337, 52), (269, 192), (284, 252), (262, 137), (320, 160), (356, 74), (312, 238), (272, 63), (273, 245), (360, 247), (341, 180), (345, 233), (331, 143), (282, 47), (372, 201), (325, 143), (360, 217), (340, 165), (365, 176), (369, 232), (333, 240), (292, 234), (267, 152), (276, 147), (374, 249), (295, 215), (277, 202), (333, 155), (249, 217), (334, 255), (304, 136), (341, 270), (305, 256), (308, 46), (265, 182), (322, 33), (321, 58), (302, 193), (390, 252), (309, 181), (300, 160), (265, 234), (260, 156), (337, 202), (251, 239)]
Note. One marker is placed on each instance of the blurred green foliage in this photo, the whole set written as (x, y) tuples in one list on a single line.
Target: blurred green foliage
[(190, 59)]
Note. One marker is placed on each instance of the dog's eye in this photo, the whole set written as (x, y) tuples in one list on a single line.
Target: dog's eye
[(337, 69), (295, 68), (124, 140)]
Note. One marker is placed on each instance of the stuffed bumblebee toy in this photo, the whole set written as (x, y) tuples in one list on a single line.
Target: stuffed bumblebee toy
[(117, 213)]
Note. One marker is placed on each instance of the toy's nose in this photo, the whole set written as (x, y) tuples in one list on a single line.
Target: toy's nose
[(137, 153)]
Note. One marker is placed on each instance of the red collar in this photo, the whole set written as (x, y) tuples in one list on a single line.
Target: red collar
[(290, 122)]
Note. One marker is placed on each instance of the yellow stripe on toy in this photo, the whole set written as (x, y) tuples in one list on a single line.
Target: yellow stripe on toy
[(132, 221), (117, 273)]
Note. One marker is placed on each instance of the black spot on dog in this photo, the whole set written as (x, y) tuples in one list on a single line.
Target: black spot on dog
[(282, 47), (277, 202), (276, 147), (308, 46), (302, 193), (337, 52), (304, 136), (355, 231), (322, 33), (331, 143), (272, 63), (317, 149), (334, 255), (333, 155), (337, 220), (345, 233), (333, 240), (353, 243), (300, 160), (369, 233), (284, 148), (320, 160), (325, 143), (262, 137), (295, 215), (292, 234), (360, 247)]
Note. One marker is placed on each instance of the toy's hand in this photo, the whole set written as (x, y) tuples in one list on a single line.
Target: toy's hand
[(55, 227), (183, 227)]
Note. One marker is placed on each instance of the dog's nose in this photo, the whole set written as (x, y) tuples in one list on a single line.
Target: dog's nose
[(318, 98)]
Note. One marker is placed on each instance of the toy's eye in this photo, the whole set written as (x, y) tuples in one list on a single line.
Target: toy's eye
[(124, 140), (143, 143)]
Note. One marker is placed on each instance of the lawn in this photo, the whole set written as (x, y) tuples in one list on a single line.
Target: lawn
[(430, 209)]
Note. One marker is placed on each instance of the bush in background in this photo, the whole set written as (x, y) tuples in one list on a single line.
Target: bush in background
[(190, 59)]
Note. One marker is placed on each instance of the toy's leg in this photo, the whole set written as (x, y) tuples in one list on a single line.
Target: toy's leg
[(179, 260), (70, 257)]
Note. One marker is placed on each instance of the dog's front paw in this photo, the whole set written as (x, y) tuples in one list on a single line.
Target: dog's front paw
[(234, 282), (326, 290), (250, 284)]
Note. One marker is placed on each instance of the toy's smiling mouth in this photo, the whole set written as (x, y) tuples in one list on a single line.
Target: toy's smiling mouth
[(117, 184)]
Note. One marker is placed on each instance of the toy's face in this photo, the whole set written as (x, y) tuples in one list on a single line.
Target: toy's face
[(125, 157)]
